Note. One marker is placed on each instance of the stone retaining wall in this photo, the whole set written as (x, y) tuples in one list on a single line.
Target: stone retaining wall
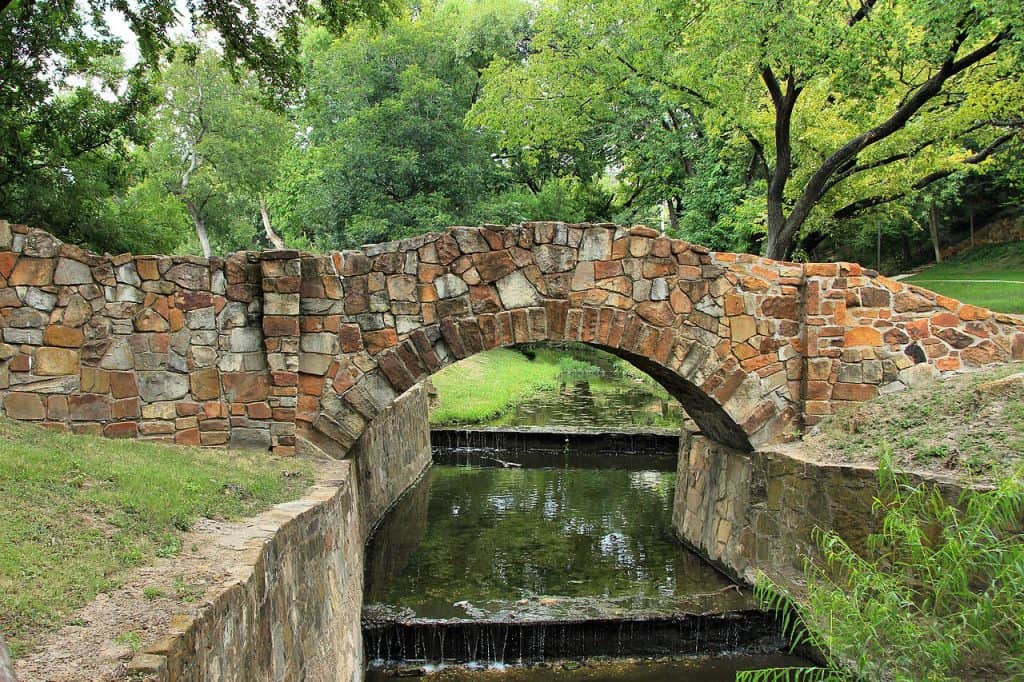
[(754, 511), (293, 609)]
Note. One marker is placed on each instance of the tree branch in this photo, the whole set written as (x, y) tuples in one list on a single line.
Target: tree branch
[(815, 187), (855, 207)]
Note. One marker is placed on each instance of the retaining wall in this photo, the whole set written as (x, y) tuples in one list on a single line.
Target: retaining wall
[(293, 610), (754, 511)]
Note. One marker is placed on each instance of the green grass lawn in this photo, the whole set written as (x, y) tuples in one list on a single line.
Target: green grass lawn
[(1001, 264), (487, 384), (80, 511)]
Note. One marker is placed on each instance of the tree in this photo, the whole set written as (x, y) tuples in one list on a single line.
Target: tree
[(841, 108), (71, 111), (215, 149), (384, 150)]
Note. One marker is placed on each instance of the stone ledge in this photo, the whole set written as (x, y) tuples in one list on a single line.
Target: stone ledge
[(229, 633)]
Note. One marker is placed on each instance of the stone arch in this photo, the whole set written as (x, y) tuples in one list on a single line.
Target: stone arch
[(697, 327)]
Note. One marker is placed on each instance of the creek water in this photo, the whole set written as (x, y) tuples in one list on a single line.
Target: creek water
[(533, 547), (510, 564)]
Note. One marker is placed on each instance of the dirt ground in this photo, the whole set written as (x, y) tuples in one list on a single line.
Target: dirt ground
[(99, 643)]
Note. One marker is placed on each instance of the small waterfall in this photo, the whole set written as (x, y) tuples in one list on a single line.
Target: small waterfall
[(496, 642)]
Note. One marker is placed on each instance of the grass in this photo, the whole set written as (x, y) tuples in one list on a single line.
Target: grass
[(1001, 263), (949, 425), (80, 511), (485, 385), (488, 385)]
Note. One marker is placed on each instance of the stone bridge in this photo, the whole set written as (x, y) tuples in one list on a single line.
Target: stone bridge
[(278, 349)]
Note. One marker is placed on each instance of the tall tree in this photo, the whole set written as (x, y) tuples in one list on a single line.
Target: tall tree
[(384, 149), (215, 149), (71, 111), (841, 108)]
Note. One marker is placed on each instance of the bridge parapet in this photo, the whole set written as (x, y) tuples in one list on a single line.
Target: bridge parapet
[(277, 348)]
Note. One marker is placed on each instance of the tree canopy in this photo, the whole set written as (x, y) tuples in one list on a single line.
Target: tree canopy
[(785, 127), (821, 110)]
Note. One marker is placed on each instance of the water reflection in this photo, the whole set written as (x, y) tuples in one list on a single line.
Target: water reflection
[(536, 543)]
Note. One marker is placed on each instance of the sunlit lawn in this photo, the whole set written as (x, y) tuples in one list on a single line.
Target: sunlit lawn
[(1002, 265), (79, 511)]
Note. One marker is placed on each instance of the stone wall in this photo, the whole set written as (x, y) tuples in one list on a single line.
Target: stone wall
[(293, 609), (263, 349), (754, 511), (390, 456), (152, 347)]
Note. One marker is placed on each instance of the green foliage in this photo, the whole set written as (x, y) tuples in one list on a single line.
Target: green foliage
[(213, 158), (384, 151), (784, 94), (938, 595), (80, 510)]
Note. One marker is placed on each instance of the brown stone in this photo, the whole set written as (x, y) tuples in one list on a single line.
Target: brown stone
[(379, 340), (493, 265), (607, 268), (862, 336), (67, 337), (280, 325), (907, 301), (126, 408), (32, 272), (89, 407), (121, 430), (971, 312), (24, 406), (742, 327), (856, 392), (187, 437), (123, 384), (245, 387), (148, 320), (56, 361), (656, 312), (205, 383)]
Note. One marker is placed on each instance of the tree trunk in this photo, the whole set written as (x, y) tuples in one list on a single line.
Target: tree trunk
[(673, 215), (933, 227), (972, 229), (268, 230), (200, 225)]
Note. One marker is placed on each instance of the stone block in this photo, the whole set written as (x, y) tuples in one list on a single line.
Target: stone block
[(89, 407), (66, 337), (155, 386), (246, 387), (27, 406), (51, 361), (596, 244), (32, 272)]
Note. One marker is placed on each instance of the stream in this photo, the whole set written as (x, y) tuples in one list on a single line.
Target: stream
[(488, 565)]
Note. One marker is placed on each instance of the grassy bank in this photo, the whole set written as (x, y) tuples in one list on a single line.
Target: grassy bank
[(80, 511), (991, 276), (487, 384), (971, 424)]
